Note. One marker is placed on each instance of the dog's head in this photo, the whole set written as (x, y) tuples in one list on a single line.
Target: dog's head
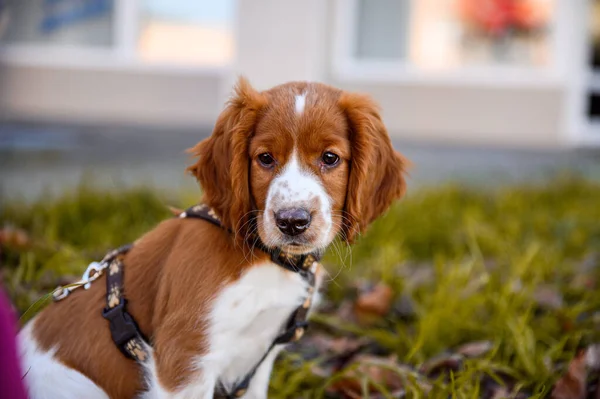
[(299, 164)]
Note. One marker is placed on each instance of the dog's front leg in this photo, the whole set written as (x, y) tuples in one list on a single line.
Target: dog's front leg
[(200, 386), (178, 371), (259, 385)]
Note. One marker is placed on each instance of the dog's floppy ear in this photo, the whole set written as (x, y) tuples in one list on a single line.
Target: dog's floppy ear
[(376, 170), (222, 166)]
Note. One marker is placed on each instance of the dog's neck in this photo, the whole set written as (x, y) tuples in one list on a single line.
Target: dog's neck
[(287, 260)]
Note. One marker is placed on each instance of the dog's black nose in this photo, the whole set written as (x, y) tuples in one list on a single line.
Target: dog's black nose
[(292, 221)]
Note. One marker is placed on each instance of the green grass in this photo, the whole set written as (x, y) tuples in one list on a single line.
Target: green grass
[(473, 264)]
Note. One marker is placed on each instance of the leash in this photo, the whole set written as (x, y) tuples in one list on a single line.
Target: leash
[(130, 340)]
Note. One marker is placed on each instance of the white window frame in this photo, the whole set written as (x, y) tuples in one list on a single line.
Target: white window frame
[(579, 129), (347, 67), (121, 56)]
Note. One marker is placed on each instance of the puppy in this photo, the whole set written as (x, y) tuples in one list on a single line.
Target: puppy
[(284, 172)]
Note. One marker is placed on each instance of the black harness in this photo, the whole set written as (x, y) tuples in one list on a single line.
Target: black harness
[(132, 343)]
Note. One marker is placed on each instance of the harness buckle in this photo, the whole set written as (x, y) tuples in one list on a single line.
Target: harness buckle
[(293, 332), (122, 326), (92, 273), (61, 292)]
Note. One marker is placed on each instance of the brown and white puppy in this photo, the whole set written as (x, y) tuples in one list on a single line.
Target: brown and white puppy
[(299, 164)]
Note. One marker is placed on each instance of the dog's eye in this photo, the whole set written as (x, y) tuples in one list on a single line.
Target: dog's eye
[(266, 159), (330, 159)]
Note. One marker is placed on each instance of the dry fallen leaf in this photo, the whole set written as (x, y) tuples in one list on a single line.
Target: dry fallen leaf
[(572, 385), (346, 344), (442, 365), (373, 304), (13, 237), (326, 344), (378, 371)]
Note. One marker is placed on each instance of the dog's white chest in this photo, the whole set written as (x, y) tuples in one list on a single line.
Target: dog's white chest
[(244, 320), (248, 315)]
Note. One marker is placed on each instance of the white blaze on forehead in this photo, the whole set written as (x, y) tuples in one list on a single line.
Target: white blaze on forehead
[(300, 103)]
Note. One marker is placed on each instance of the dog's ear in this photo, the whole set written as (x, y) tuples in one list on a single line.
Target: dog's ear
[(222, 165), (376, 170)]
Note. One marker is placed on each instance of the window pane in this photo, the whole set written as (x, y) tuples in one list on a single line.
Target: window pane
[(59, 22), (198, 32), (382, 29), (444, 34)]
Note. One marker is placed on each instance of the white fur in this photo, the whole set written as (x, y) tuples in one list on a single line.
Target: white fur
[(246, 317), (297, 187), (48, 378), (300, 103)]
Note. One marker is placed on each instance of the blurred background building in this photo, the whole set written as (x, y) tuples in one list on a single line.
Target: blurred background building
[(496, 73)]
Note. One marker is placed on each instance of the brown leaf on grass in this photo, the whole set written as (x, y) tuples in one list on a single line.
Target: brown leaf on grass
[(14, 238), (443, 364), (452, 362), (328, 345), (371, 372), (373, 304), (501, 386), (336, 353), (343, 345), (572, 385)]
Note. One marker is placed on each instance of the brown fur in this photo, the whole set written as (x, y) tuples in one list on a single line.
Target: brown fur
[(222, 167), (173, 273), (377, 176)]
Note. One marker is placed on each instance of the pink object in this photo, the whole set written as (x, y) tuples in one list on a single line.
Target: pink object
[(11, 376)]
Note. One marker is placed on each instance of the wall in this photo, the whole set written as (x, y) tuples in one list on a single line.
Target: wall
[(279, 41), (509, 117), (295, 44), (110, 96)]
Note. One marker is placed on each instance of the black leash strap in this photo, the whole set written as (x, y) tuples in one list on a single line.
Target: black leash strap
[(123, 328)]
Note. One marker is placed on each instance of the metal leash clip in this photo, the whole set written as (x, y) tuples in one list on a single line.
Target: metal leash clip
[(92, 273)]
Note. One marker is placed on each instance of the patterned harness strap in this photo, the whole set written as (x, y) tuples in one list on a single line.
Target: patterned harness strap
[(123, 328), (130, 340)]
